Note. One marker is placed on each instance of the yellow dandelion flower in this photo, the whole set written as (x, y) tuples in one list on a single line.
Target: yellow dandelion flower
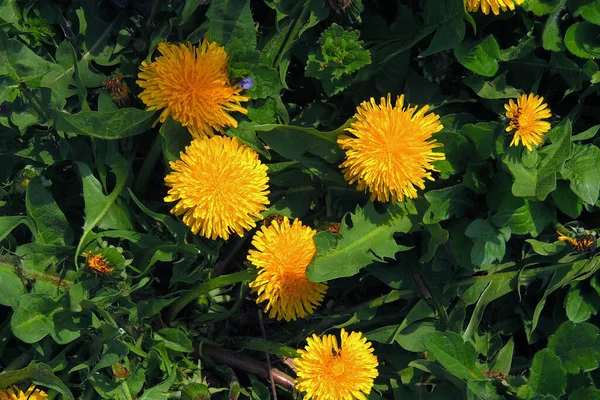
[(220, 187), (328, 371), (526, 117), (392, 151), (283, 251), (494, 5), (192, 85), (584, 242), (97, 263), (15, 393)]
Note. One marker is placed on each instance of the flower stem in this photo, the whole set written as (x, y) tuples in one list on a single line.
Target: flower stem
[(204, 288)]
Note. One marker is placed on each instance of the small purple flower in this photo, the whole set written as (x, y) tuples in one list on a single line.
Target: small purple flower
[(246, 83)]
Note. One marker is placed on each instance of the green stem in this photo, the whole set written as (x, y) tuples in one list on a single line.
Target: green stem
[(206, 287), (264, 346), (149, 162), (427, 293)]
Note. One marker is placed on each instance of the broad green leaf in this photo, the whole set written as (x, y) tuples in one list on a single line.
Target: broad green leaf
[(9, 223), (51, 224), (445, 203), (565, 67), (20, 63), (546, 249), (531, 218), (567, 201), (577, 346), (583, 40), (11, 286), (580, 170), (369, 237), (174, 339), (540, 180), (480, 57), (588, 9), (37, 373), (547, 374), (587, 393), (494, 89), (43, 264), (447, 17), (174, 139), (581, 304), (524, 47), (552, 37), (543, 7), (113, 351), (38, 315), (229, 19), (503, 360), (490, 242), (493, 290), (106, 124), (456, 355), (437, 237)]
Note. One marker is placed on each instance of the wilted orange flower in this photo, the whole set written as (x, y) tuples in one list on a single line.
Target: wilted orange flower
[(117, 89), (327, 371), (192, 85), (585, 242), (15, 393), (526, 117), (391, 152), (97, 263), (494, 5), (220, 187), (283, 251)]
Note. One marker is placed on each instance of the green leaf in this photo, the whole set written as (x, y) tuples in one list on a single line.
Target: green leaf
[(174, 339), (567, 201), (546, 249), (106, 124), (113, 351), (494, 89), (38, 315), (437, 237), (580, 171), (39, 374), (547, 374), (9, 223), (540, 180), (339, 55), (580, 304), (449, 202), (531, 218), (551, 37), (490, 243), (21, 64), (456, 355), (481, 58), (369, 237), (174, 138), (588, 9), (587, 393), (447, 17), (577, 346), (493, 290), (583, 40), (543, 7), (504, 358), (520, 50), (229, 19), (52, 226), (11, 286), (568, 70)]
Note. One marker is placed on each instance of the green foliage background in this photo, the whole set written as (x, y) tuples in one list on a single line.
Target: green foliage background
[(465, 291)]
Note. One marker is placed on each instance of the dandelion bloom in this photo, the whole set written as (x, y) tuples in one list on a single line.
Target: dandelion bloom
[(97, 263), (584, 242), (392, 149), (192, 85), (526, 117), (328, 371), (220, 186), (15, 393), (494, 5), (283, 251)]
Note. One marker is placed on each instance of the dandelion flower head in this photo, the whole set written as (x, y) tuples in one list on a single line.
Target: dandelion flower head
[(491, 5), (15, 393), (527, 120), (192, 85), (220, 187), (328, 371), (283, 252), (97, 263), (392, 149)]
